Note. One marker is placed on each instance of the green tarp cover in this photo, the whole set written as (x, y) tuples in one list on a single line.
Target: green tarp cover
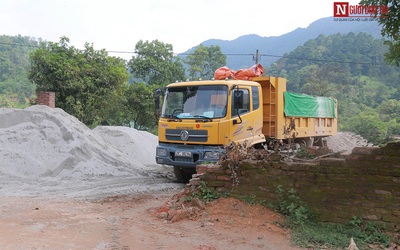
[(302, 105)]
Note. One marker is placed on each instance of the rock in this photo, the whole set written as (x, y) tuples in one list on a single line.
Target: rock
[(180, 215), (198, 203), (352, 245)]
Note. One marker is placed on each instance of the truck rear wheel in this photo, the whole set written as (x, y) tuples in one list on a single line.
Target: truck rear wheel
[(181, 176)]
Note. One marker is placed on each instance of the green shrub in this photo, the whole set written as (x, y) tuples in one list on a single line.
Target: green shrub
[(293, 207), (252, 199), (204, 193), (303, 153)]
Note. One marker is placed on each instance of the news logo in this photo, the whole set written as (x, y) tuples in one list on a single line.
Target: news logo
[(344, 9), (340, 9)]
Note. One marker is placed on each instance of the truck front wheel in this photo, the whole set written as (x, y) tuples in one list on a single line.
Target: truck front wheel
[(181, 176)]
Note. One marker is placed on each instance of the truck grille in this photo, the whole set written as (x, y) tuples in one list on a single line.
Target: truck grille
[(181, 159), (193, 135)]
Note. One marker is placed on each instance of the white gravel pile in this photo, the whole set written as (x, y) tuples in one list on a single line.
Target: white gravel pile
[(136, 145), (345, 142), (47, 151)]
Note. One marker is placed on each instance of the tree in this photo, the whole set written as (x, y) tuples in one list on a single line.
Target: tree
[(140, 105), (134, 108), (368, 125), (87, 83), (389, 110), (204, 61), (155, 63), (325, 80), (390, 26), (14, 62)]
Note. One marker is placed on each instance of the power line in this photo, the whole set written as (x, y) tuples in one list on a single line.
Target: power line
[(21, 45), (120, 52), (226, 54), (322, 60), (256, 56)]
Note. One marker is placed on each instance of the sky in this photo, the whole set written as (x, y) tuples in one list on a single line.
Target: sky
[(117, 25)]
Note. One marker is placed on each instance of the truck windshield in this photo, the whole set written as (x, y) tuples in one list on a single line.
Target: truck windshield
[(195, 102)]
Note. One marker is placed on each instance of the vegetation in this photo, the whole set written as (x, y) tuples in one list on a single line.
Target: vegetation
[(318, 235), (138, 99), (252, 200), (204, 193), (155, 64), (15, 88), (390, 27), (303, 153), (204, 61), (308, 232), (87, 83), (290, 205)]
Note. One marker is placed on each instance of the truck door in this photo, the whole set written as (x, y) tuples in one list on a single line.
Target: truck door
[(242, 119)]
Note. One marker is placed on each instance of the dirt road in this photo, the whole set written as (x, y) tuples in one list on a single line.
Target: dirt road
[(130, 222)]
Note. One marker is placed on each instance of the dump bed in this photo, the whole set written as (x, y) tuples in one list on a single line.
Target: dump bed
[(288, 114)]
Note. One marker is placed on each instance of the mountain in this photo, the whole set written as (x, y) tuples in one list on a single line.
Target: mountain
[(240, 52)]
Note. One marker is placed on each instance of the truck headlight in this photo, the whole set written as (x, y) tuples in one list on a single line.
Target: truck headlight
[(161, 152), (212, 155)]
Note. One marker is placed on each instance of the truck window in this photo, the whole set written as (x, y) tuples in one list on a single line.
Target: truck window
[(243, 107), (192, 102)]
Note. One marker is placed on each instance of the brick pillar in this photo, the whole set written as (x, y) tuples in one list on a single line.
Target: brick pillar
[(46, 98)]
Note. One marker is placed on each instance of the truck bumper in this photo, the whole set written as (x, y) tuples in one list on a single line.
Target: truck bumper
[(187, 156)]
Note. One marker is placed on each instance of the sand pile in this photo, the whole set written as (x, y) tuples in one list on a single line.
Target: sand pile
[(44, 146)]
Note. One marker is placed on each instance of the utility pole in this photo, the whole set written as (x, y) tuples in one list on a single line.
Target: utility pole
[(256, 59)]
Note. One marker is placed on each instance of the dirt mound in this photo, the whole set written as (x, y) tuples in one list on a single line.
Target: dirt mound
[(246, 226)]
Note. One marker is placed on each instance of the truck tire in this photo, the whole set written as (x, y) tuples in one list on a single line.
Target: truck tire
[(178, 174), (181, 176)]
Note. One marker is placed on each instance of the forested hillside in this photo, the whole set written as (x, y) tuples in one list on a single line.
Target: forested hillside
[(352, 69), (15, 89)]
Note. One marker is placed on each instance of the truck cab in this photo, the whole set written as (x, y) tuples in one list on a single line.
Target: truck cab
[(198, 119)]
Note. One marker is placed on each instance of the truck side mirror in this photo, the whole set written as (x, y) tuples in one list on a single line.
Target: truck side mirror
[(238, 98), (156, 95)]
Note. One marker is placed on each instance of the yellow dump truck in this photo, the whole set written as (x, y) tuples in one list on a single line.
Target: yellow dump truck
[(199, 118)]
